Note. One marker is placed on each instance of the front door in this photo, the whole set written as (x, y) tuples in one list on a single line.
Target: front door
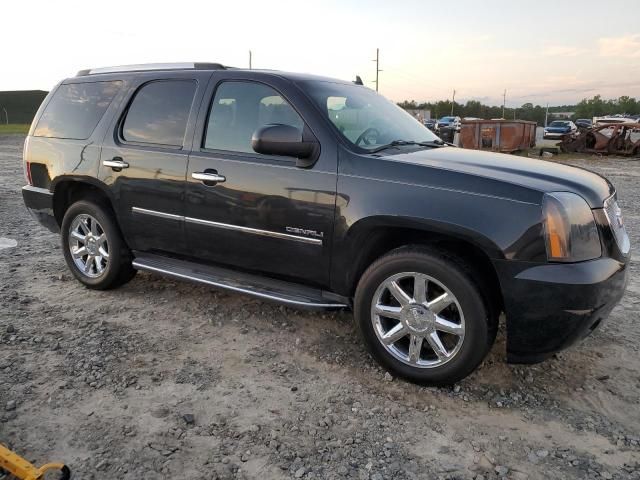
[(145, 161), (258, 212)]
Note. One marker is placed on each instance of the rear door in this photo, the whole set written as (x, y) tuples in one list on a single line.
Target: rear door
[(266, 214), (144, 159)]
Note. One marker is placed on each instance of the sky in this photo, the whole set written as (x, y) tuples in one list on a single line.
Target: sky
[(555, 52)]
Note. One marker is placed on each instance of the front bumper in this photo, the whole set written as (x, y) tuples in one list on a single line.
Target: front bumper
[(39, 202), (554, 135), (551, 306)]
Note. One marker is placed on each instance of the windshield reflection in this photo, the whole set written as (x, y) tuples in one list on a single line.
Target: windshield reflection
[(364, 118)]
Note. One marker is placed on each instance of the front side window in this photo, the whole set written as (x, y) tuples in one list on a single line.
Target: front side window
[(239, 109), (75, 110), (159, 113), (363, 117)]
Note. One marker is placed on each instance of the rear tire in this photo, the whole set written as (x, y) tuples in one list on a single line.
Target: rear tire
[(422, 316), (93, 246)]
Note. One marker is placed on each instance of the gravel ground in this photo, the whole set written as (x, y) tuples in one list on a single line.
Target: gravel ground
[(164, 379)]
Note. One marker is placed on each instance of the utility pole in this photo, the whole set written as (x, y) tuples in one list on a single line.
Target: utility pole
[(546, 114), (249, 59), (453, 101), (377, 60), (6, 115), (504, 101)]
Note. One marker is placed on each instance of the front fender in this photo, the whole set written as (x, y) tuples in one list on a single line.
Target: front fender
[(501, 227)]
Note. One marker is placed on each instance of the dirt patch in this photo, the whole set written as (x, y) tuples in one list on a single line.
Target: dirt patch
[(165, 379)]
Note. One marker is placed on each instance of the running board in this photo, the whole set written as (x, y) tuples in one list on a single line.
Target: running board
[(262, 287)]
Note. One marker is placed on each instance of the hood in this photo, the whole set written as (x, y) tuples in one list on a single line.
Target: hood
[(539, 175)]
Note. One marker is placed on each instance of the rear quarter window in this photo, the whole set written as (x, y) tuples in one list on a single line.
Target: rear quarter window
[(159, 113), (75, 110)]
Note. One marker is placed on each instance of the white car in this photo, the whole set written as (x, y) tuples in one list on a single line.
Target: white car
[(612, 119), (449, 121)]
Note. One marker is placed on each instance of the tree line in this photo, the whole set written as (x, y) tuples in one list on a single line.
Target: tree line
[(586, 108), (20, 106)]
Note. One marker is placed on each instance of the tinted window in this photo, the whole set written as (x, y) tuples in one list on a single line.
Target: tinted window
[(239, 108), (159, 113), (75, 110)]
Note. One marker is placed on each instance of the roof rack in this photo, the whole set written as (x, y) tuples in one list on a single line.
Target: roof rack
[(152, 66)]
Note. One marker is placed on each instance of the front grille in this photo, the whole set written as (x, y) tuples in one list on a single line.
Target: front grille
[(616, 222)]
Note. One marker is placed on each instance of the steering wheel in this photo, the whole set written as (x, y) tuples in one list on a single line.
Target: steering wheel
[(363, 136)]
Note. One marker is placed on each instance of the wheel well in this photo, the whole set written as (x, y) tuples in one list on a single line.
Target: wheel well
[(383, 241), (68, 192)]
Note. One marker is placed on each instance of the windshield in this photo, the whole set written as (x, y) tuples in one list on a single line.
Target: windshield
[(559, 124), (447, 119), (363, 117)]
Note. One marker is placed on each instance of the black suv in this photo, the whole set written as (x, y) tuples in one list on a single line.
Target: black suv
[(320, 193)]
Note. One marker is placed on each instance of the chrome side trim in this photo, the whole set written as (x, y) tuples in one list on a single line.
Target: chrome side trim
[(255, 231), (154, 213), (267, 296), (228, 226)]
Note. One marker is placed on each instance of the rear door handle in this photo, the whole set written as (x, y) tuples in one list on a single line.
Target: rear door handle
[(208, 177), (116, 163)]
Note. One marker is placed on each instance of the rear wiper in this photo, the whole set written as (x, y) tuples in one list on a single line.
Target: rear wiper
[(396, 143)]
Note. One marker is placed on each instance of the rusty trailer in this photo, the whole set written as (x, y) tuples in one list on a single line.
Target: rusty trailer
[(505, 136), (612, 139)]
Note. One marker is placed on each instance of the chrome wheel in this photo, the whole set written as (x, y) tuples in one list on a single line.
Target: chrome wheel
[(417, 320), (88, 245)]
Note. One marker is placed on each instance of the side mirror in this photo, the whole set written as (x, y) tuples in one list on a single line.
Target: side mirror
[(277, 139)]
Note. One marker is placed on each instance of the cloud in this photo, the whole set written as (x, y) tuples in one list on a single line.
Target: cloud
[(624, 46), (562, 51)]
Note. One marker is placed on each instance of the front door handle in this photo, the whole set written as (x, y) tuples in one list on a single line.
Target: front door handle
[(116, 163), (208, 177)]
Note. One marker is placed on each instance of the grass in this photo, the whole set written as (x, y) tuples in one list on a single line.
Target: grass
[(14, 128)]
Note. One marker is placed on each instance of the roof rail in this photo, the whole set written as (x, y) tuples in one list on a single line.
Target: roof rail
[(152, 66)]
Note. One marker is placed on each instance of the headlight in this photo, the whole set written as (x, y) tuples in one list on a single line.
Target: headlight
[(570, 230)]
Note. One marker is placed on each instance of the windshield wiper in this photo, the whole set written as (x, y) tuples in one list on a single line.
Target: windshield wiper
[(395, 143)]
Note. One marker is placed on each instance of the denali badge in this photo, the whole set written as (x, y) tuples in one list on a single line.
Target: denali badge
[(303, 231)]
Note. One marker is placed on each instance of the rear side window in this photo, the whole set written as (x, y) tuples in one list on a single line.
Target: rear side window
[(75, 110), (159, 113)]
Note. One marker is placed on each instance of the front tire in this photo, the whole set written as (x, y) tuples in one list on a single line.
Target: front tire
[(93, 246), (422, 317)]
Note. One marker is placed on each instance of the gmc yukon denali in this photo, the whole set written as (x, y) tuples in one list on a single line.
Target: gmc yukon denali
[(320, 193)]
